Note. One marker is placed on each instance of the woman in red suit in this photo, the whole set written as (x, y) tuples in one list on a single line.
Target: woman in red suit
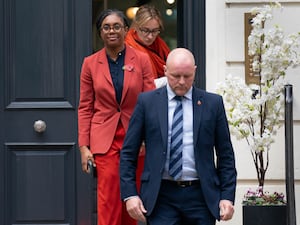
[(110, 82)]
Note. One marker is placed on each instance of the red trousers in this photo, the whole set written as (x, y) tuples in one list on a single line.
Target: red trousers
[(111, 209)]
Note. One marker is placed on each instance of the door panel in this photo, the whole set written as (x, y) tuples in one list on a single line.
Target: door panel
[(40, 186), (43, 44), (41, 58)]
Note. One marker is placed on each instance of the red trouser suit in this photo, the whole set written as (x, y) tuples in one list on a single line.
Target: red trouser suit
[(111, 209)]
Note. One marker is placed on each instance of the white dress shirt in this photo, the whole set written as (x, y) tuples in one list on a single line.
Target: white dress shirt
[(188, 160)]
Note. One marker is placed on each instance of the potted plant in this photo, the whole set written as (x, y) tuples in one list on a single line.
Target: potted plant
[(254, 111), (263, 208)]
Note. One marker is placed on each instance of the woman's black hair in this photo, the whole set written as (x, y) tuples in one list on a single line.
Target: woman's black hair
[(108, 12)]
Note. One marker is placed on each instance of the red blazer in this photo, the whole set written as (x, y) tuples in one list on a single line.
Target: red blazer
[(99, 112)]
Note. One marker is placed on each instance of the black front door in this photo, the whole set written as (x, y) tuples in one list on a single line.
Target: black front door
[(42, 46)]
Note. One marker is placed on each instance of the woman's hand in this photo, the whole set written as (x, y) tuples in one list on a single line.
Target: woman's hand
[(86, 155)]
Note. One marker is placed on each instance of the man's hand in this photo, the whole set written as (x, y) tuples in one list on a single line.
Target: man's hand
[(226, 209), (135, 208)]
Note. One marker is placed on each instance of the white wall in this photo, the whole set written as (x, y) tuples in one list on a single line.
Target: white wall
[(225, 54)]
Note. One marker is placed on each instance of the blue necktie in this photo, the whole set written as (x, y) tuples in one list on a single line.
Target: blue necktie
[(175, 166)]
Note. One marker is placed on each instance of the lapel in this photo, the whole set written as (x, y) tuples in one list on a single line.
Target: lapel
[(104, 67), (104, 72), (162, 106), (198, 104), (162, 111), (129, 64)]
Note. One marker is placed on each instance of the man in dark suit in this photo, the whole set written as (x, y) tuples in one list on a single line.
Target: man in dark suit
[(202, 188)]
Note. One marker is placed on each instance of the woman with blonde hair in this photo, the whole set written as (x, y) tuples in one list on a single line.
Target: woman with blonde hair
[(144, 35)]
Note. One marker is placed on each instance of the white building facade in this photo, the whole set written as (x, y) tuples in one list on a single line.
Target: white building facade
[(225, 55)]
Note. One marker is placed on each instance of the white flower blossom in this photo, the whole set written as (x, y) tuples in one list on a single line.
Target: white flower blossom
[(254, 111)]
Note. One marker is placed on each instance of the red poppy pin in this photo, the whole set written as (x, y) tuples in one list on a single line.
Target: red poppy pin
[(128, 67)]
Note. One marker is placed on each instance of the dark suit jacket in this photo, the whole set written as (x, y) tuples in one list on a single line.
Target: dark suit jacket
[(211, 138), (99, 112)]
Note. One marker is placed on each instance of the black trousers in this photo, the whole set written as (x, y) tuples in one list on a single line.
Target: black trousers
[(180, 205)]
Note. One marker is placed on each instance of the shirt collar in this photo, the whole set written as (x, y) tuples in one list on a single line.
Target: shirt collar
[(121, 56), (171, 94)]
